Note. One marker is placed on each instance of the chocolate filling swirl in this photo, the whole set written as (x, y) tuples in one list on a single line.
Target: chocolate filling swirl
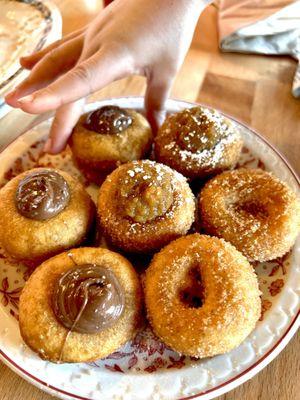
[(108, 120), (42, 195), (88, 299)]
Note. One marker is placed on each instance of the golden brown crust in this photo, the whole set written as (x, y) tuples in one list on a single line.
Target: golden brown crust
[(133, 236), (231, 304), (33, 241), (102, 153), (218, 150), (253, 210), (46, 336)]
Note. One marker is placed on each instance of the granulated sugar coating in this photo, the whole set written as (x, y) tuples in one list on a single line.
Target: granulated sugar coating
[(229, 300), (144, 205), (198, 142), (146, 192), (253, 210)]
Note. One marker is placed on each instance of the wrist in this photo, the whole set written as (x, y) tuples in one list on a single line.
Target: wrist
[(198, 5)]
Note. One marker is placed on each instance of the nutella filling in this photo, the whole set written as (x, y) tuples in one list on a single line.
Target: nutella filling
[(88, 299), (108, 120), (42, 195)]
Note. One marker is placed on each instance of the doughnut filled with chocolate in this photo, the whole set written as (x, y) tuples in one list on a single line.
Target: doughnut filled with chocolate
[(143, 205), (252, 209), (202, 296), (198, 142), (80, 305), (88, 299), (107, 137), (42, 195), (43, 212)]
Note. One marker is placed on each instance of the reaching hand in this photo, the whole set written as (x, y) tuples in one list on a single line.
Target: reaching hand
[(129, 37)]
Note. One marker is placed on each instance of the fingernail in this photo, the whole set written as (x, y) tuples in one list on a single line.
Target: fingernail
[(26, 99), (48, 145)]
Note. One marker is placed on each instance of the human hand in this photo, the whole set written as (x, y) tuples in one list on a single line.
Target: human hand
[(129, 37)]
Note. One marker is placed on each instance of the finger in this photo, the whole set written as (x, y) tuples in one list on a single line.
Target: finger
[(29, 61), (63, 123), (55, 63), (157, 93), (107, 2), (87, 77)]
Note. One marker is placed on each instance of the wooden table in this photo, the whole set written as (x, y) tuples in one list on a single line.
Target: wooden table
[(256, 90)]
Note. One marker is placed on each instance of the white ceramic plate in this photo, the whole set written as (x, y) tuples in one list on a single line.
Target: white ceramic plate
[(145, 368), (25, 26)]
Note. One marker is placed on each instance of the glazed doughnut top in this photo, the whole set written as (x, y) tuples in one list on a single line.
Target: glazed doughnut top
[(42, 195), (145, 192), (108, 120), (88, 299)]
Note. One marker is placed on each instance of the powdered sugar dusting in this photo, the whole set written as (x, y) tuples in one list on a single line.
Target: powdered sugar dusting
[(146, 353), (197, 138)]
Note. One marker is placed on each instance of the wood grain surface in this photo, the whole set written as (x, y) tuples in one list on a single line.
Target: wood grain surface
[(255, 90)]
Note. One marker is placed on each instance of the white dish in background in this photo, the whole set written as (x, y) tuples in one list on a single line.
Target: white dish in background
[(146, 369), (25, 26)]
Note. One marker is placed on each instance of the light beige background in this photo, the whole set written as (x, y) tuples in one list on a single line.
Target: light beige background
[(256, 90)]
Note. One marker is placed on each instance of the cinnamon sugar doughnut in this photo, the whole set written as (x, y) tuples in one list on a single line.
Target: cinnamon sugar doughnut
[(253, 210), (202, 296), (144, 205), (198, 142)]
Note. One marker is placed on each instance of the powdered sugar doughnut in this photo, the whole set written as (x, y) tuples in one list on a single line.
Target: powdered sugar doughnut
[(144, 205), (198, 142)]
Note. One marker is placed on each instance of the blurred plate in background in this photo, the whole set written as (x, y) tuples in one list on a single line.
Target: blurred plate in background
[(26, 26)]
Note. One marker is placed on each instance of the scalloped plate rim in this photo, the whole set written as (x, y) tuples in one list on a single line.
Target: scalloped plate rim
[(229, 384)]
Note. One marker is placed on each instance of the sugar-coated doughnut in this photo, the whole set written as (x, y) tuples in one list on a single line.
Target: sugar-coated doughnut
[(202, 296), (144, 205), (253, 210)]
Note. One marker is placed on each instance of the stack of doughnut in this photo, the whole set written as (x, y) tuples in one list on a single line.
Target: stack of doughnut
[(200, 291)]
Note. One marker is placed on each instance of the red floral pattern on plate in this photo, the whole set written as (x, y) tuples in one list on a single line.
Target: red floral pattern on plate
[(145, 353)]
